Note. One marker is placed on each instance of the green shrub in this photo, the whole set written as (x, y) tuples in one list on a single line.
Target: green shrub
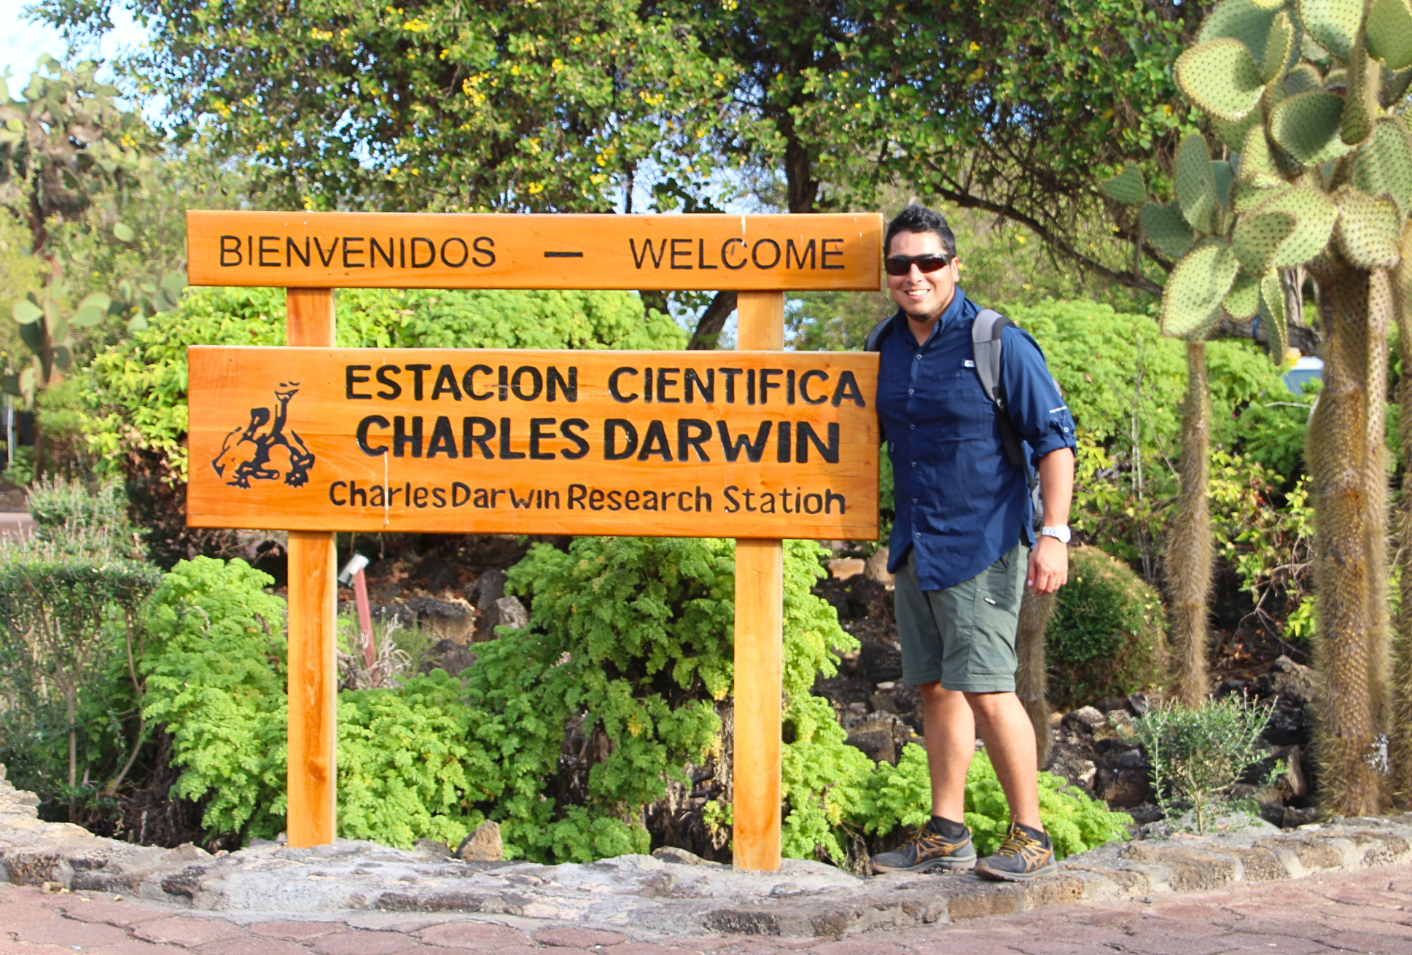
[(1198, 755), (65, 608), (60, 507), (900, 797), (1107, 635), (136, 390)]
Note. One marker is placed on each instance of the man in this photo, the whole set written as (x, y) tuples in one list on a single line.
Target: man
[(961, 545)]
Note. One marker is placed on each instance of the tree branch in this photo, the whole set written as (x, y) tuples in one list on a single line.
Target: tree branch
[(708, 327)]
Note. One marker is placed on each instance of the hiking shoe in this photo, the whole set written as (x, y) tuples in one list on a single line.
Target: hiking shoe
[(1021, 857), (927, 851)]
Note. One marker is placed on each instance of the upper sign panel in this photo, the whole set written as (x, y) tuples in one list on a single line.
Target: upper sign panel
[(404, 250)]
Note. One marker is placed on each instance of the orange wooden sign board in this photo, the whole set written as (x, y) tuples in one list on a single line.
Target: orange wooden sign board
[(674, 444), (406, 250)]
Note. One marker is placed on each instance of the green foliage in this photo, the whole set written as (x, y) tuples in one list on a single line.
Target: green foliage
[(62, 507), (1197, 755), (1107, 636), (900, 796), (214, 670), (137, 389), (59, 602)]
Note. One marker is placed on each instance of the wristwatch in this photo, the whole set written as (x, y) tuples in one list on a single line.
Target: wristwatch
[(1061, 534)]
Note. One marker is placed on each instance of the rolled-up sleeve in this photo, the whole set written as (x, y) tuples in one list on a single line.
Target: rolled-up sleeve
[(1036, 408)]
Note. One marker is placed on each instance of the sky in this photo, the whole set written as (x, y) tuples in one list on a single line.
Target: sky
[(23, 42)]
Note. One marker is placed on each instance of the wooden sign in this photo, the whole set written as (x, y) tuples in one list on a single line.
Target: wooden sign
[(401, 250), (672, 444)]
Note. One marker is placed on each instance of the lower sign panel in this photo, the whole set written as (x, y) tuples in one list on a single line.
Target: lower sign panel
[(663, 444)]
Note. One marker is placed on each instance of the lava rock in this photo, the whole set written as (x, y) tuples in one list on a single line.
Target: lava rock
[(843, 568), (1123, 788), (876, 568), (449, 656), (1110, 703), (1085, 719), (875, 742), (504, 612), (488, 588), (483, 845)]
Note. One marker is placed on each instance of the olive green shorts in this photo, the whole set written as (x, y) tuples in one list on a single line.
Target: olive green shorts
[(964, 635)]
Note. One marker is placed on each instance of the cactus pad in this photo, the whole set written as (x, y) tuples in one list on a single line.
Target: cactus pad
[(1245, 196), (1243, 300), (1360, 103), (1221, 77), (1224, 174), (1307, 127), (1195, 183), (1127, 187), (1272, 316), (1279, 48), (1241, 20), (1390, 33), (1166, 229), (1384, 165), (1368, 229), (1332, 23), (1233, 134), (1257, 168), (1191, 302), (1257, 239), (1289, 228), (1303, 78)]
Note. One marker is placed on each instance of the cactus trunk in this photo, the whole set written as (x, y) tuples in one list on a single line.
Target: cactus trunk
[(1347, 541), (1032, 675), (1189, 550), (1400, 744)]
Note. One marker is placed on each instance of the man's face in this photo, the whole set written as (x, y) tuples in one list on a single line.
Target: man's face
[(922, 296)]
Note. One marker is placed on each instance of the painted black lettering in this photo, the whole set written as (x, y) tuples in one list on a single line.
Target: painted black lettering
[(230, 245), (804, 386), (465, 253), (442, 440), (732, 505), (401, 439), (264, 250), (655, 442), (568, 429), (848, 388), (350, 379), (692, 384), (725, 259), (384, 375), (505, 453), (468, 382), (445, 383), (460, 494), (416, 371), (438, 497), (782, 450), (611, 427), (692, 433), (666, 378), (701, 255), (789, 387), (291, 251), (829, 498), (577, 493), (326, 260), (754, 450), (828, 252), (647, 249), (647, 385), (477, 432), (503, 382), (484, 250), (766, 384), (729, 374), (682, 254), (536, 436), (793, 255), (333, 488), (375, 250), (418, 241), (536, 379), (755, 254), (807, 436), (556, 382), (348, 249), (371, 421), (613, 388)]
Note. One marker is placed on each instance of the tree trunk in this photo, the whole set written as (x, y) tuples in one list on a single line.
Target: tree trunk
[(1345, 504), (708, 327), (1032, 675), (71, 710), (1189, 552), (1400, 744)]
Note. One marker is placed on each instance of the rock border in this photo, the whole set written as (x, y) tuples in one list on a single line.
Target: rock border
[(670, 894)]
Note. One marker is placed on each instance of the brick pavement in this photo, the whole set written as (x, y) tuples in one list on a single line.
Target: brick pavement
[(1365, 911)]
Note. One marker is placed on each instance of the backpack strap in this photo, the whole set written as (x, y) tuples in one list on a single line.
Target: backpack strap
[(878, 332), (985, 350)]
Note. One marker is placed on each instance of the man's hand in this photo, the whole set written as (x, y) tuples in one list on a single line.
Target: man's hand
[(1049, 566)]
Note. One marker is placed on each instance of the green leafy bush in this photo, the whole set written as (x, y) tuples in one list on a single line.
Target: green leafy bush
[(61, 605), (215, 676), (900, 796), (136, 390), (1107, 635), (1198, 755), (61, 507)]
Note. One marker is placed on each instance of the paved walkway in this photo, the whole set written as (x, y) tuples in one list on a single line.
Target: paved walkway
[(1365, 911)]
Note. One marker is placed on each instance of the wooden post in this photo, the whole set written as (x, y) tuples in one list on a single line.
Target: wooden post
[(759, 645), (313, 615)]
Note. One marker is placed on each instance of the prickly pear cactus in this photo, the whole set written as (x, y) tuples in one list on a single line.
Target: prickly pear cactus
[(1306, 96)]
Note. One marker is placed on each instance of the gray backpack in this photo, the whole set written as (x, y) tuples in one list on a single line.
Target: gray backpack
[(985, 351)]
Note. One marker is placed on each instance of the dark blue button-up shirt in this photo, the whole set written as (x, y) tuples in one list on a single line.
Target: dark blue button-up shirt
[(959, 500)]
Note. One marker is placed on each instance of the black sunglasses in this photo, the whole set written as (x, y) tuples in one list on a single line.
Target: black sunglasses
[(902, 264)]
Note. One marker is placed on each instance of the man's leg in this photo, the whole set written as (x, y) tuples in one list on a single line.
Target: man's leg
[(950, 731), (1009, 742)]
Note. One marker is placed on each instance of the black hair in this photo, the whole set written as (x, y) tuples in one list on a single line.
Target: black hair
[(917, 218)]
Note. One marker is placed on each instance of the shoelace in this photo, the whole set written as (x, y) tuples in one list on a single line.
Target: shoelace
[(1016, 842)]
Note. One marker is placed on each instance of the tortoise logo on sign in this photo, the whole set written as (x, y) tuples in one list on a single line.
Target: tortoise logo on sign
[(264, 450)]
